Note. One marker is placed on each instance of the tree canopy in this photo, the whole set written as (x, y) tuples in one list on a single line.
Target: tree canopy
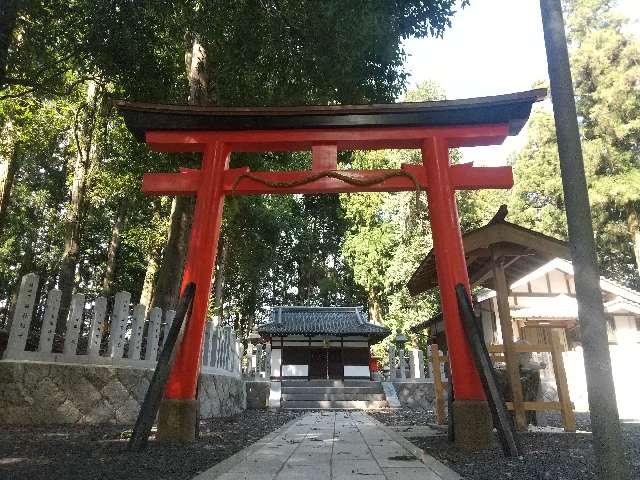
[(70, 202), (71, 205)]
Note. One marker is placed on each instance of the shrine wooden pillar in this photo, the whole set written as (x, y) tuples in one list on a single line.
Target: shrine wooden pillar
[(178, 417), (470, 408)]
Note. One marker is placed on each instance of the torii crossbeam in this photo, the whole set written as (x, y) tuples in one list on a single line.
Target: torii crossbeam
[(432, 127)]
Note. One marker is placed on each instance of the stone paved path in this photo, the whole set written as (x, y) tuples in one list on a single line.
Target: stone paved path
[(331, 445)]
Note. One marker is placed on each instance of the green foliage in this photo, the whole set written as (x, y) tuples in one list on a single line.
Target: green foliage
[(606, 71), (279, 249)]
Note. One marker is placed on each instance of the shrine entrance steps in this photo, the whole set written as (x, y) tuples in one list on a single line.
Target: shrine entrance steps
[(333, 394)]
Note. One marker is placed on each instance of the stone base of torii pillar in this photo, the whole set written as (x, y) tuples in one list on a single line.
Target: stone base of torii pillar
[(178, 421)]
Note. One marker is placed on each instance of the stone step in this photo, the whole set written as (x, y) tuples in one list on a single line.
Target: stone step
[(335, 404), (329, 383), (334, 390), (291, 397)]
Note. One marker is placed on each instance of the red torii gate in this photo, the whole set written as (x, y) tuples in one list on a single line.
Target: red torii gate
[(432, 127)]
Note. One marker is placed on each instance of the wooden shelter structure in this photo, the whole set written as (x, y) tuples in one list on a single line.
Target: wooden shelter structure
[(432, 127), (497, 255)]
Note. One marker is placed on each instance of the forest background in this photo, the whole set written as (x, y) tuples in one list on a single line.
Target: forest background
[(71, 209)]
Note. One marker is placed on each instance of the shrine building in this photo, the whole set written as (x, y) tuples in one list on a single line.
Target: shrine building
[(312, 343)]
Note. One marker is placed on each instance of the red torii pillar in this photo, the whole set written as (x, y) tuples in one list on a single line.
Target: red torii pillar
[(214, 180)]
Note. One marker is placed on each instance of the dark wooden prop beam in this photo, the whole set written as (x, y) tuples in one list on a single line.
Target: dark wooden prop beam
[(501, 418), (151, 403)]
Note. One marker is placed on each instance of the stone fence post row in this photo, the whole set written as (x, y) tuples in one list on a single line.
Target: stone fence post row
[(398, 364), (134, 333)]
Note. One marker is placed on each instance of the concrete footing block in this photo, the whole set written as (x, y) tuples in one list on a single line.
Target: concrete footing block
[(472, 424), (178, 421)]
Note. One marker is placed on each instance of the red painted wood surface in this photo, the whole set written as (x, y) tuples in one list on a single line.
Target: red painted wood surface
[(451, 267), (463, 177), (344, 139), (324, 157), (201, 258)]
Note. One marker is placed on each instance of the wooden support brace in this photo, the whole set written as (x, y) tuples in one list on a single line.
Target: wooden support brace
[(324, 157), (511, 357), (568, 418), (434, 359)]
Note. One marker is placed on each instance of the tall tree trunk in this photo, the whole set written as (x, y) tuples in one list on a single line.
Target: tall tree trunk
[(196, 66), (148, 285), (114, 244), (7, 176), (8, 15), (77, 207), (170, 272)]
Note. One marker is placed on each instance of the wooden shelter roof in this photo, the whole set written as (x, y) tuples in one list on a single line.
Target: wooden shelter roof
[(523, 249), (511, 109)]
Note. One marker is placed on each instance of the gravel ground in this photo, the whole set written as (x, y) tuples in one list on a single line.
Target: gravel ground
[(547, 455), (99, 452)]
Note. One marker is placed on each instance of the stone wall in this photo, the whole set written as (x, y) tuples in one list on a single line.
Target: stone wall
[(418, 395), (257, 394), (221, 395), (41, 393)]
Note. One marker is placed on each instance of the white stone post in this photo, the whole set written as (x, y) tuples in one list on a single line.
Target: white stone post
[(137, 330), (267, 362), (22, 316), (223, 347), (219, 346), (250, 359), (74, 322), (226, 335), (238, 358), (392, 362), (412, 364), (233, 351), (119, 317), (48, 329), (215, 346), (401, 364), (416, 364), (206, 347), (258, 360), (95, 332), (153, 334)]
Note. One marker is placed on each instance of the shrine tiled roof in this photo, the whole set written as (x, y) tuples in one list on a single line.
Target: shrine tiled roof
[(311, 321)]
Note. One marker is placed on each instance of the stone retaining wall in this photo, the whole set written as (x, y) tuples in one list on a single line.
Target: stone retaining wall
[(39, 393), (221, 395), (257, 394), (418, 395)]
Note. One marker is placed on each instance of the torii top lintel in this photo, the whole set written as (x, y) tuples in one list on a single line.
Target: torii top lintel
[(466, 122)]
